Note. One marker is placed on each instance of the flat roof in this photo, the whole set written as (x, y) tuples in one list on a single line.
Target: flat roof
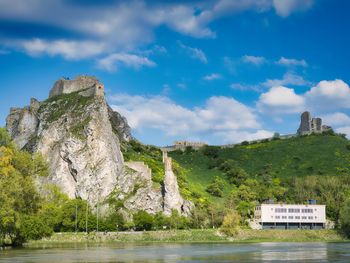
[(282, 205)]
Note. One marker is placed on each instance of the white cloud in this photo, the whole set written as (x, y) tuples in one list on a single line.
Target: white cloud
[(325, 97), (281, 100), (344, 130), (213, 76), (285, 7), (156, 49), (240, 136), (329, 95), (289, 78), (67, 49), (291, 62), (112, 62), (124, 26), (336, 119), (219, 115), (255, 60), (194, 53)]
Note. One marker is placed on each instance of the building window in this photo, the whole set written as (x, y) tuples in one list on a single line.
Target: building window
[(284, 217), (306, 210), (290, 217), (297, 217), (311, 217), (280, 210), (304, 217), (293, 210), (277, 217)]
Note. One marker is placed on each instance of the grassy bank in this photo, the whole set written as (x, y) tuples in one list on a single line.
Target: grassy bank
[(193, 236)]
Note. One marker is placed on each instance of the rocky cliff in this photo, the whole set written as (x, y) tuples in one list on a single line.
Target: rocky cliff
[(81, 136)]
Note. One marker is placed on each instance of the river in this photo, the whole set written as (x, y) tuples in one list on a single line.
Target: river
[(155, 252)]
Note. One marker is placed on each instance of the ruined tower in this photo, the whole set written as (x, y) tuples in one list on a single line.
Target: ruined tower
[(310, 125)]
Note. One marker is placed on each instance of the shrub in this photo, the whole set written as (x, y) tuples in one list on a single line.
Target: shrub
[(33, 228), (231, 223), (211, 151), (143, 221), (215, 188)]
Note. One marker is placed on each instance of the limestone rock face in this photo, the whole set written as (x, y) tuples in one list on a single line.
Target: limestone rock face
[(74, 131), (172, 196), (120, 125), (81, 136), (145, 197), (84, 153), (23, 123)]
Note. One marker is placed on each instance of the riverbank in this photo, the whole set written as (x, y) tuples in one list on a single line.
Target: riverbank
[(196, 236)]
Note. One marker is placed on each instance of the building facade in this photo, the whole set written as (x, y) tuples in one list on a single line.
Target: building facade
[(290, 216)]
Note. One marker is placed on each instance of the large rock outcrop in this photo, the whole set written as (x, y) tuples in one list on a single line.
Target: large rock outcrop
[(81, 136), (73, 130), (172, 196)]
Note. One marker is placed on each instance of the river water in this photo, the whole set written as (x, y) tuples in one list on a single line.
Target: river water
[(220, 252)]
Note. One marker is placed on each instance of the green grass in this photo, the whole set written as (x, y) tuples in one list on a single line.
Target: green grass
[(250, 235), (195, 236)]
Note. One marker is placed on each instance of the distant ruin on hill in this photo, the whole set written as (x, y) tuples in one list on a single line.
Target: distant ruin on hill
[(309, 125)]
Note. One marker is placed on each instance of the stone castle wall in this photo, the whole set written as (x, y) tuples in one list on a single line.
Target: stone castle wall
[(88, 86)]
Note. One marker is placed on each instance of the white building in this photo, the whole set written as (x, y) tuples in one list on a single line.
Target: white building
[(287, 216)]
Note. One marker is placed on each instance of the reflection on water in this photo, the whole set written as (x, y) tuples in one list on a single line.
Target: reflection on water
[(297, 252), (223, 252)]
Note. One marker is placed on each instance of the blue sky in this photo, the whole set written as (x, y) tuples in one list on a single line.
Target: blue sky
[(219, 71)]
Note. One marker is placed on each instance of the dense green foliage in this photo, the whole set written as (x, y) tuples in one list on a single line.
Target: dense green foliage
[(290, 170), (345, 218), (20, 202)]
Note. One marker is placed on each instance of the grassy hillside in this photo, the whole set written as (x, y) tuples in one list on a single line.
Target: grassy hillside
[(307, 156)]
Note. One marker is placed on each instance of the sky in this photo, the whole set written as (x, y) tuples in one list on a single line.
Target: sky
[(217, 71)]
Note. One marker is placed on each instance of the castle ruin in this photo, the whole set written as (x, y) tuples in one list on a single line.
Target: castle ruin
[(183, 144), (86, 85), (310, 125)]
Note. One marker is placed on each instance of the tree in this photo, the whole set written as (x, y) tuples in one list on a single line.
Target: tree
[(236, 175), (5, 139), (345, 217), (231, 223), (34, 228), (215, 188), (19, 198), (143, 221), (211, 151), (276, 136)]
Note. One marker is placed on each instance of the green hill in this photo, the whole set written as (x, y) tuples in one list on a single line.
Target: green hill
[(289, 170), (299, 156)]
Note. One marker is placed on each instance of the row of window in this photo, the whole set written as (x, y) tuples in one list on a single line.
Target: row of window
[(296, 217), (293, 210)]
